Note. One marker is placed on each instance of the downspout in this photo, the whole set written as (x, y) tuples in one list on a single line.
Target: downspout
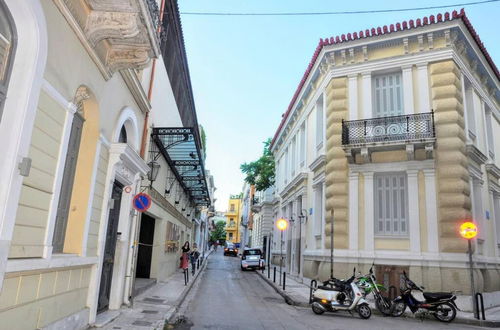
[(132, 256)]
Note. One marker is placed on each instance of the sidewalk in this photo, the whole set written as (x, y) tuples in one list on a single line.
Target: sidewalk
[(297, 294), (155, 306)]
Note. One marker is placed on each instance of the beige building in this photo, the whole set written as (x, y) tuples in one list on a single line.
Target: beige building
[(393, 133), (77, 98)]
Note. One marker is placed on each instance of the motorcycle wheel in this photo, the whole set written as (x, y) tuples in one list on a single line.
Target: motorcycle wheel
[(398, 309), (364, 311), (384, 305), (317, 310), (445, 312)]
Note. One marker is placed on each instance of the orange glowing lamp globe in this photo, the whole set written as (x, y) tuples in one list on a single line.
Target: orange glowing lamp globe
[(468, 230), (282, 224)]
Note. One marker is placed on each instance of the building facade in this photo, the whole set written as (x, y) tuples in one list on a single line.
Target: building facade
[(391, 137), (233, 219), (80, 85)]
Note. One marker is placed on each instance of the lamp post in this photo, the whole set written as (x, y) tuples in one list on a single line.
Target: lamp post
[(153, 172), (468, 230), (281, 224)]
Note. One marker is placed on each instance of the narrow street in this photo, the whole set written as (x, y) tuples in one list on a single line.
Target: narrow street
[(227, 298)]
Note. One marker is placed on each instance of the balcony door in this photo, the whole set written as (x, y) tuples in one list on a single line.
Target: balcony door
[(387, 95)]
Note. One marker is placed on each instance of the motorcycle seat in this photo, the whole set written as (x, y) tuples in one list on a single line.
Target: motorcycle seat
[(437, 295), (328, 288)]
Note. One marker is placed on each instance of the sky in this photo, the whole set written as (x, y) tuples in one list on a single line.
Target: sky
[(245, 69)]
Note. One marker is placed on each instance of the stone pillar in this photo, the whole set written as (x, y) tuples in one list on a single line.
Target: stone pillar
[(451, 162), (408, 90), (369, 212), (367, 95), (423, 87), (413, 211), (336, 165), (353, 97), (431, 210), (353, 210)]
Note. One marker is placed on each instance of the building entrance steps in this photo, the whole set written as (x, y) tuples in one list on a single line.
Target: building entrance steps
[(156, 305), (297, 293)]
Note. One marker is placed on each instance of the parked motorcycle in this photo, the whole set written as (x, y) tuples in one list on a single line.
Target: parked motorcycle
[(340, 295), (440, 304), (368, 284)]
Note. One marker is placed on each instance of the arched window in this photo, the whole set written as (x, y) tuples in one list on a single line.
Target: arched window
[(7, 47), (123, 135)]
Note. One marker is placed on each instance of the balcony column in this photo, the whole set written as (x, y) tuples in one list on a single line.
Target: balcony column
[(408, 90), (367, 95), (353, 96), (369, 212), (413, 211), (431, 210), (423, 88), (353, 210)]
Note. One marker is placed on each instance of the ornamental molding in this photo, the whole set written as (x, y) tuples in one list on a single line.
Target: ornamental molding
[(474, 154), (317, 163), (493, 170), (117, 34)]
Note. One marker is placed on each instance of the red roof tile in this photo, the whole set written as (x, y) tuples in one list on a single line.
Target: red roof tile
[(379, 31)]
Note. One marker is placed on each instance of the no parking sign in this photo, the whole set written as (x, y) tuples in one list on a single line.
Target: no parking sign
[(142, 202)]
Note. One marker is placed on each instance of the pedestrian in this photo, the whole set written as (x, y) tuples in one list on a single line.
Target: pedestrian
[(193, 257), (184, 257), (215, 246)]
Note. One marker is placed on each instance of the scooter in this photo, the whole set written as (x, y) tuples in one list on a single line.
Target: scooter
[(340, 295), (440, 304), (368, 284)]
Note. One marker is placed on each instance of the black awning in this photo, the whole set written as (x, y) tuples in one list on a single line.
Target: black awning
[(181, 149)]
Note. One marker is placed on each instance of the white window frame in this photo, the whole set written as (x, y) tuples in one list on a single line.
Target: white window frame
[(319, 209), (378, 192), (302, 148), (287, 166), (293, 156), (490, 139), (397, 89), (320, 122)]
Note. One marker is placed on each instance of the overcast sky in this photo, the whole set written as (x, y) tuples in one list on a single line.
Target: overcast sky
[(245, 69)]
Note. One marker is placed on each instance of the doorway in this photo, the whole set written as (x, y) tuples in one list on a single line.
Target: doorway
[(110, 247), (390, 277), (145, 251)]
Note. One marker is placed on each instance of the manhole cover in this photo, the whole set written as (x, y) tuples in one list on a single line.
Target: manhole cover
[(143, 323), (146, 311), (153, 300), (273, 299)]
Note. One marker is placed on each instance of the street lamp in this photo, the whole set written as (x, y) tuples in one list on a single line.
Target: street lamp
[(468, 230), (281, 224), (153, 172)]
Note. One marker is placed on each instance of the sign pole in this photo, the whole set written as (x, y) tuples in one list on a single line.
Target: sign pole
[(473, 291), (331, 247), (281, 253)]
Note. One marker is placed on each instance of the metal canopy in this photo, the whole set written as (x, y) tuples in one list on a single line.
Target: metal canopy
[(181, 149)]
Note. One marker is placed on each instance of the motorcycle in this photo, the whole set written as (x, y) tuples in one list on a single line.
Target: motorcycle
[(368, 284), (340, 295), (440, 304)]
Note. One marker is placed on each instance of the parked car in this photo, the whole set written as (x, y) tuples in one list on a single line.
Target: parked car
[(252, 259), (230, 249)]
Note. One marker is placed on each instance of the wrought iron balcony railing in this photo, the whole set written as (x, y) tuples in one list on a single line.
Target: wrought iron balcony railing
[(417, 127)]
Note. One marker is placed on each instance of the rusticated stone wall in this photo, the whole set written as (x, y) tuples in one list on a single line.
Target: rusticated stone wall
[(337, 181), (454, 203)]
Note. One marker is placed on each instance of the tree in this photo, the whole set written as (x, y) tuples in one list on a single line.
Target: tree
[(260, 172), (219, 233)]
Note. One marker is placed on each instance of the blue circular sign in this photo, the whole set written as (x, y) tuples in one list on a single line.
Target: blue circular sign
[(142, 202)]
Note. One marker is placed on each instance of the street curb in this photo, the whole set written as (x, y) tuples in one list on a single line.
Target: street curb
[(186, 291), (291, 301), (288, 298)]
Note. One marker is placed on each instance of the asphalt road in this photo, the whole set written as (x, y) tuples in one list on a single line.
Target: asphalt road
[(227, 298)]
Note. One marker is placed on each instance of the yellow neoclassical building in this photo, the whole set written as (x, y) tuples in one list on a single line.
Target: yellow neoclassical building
[(392, 139), (233, 217)]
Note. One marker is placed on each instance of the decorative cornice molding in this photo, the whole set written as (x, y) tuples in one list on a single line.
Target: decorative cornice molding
[(493, 170), (317, 163), (475, 154)]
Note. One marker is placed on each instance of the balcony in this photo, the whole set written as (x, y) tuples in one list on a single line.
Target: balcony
[(117, 34), (409, 132)]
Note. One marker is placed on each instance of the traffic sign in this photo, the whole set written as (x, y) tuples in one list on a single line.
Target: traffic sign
[(142, 202), (468, 230)]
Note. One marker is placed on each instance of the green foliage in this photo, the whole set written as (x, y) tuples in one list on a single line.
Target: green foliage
[(203, 137), (220, 232), (260, 172)]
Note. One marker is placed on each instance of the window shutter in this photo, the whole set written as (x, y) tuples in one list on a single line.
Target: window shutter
[(67, 184), (390, 204), (388, 95)]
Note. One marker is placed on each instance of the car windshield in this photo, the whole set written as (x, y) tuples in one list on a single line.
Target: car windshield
[(252, 252), (230, 246)]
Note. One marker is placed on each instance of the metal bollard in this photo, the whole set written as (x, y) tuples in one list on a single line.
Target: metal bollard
[(284, 280), (274, 275), (268, 271), (198, 264), (186, 276), (479, 295)]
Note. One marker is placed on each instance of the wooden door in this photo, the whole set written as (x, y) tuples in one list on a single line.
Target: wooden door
[(390, 277)]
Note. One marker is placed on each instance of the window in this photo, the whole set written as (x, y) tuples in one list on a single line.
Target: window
[(123, 135), (7, 47), (387, 95), (302, 145), (67, 184), (391, 200), (469, 107), (489, 133), (231, 208), (293, 159), (230, 236), (496, 216), (287, 166), (319, 122), (318, 210)]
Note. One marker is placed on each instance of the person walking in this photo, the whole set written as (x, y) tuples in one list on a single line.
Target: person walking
[(215, 245), (185, 255), (193, 257)]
